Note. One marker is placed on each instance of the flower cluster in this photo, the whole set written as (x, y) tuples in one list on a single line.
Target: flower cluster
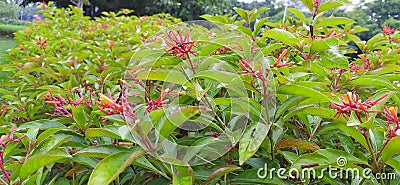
[(391, 117), (256, 73), (41, 43), (354, 67), (388, 31), (6, 140), (3, 108), (180, 46), (350, 102), (61, 104), (278, 64), (109, 106)]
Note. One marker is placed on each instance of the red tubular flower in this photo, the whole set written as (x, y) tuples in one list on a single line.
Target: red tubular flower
[(391, 117), (154, 104), (277, 63), (354, 67), (180, 46), (388, 31), (350, 102), (109, 105), (249, 69)]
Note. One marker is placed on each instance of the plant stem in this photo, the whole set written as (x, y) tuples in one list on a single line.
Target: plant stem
[(366, 136), (2, 166)]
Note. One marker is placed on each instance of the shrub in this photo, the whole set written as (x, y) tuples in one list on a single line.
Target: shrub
[(9, 30), (91, 99)]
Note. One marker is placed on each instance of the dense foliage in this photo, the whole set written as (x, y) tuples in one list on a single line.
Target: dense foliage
[(149, 100)]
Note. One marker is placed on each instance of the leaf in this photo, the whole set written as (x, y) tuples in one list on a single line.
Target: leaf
[(289, 156), (220, 172), (102, 132), (322, 45), (309, 4), (325, 158), (100, 151), (46, 134), (184, 175), (283, 36), (271, 47), (251, 176), (41, 124), (333, 21), (350, 131), (372, 80), (79, 116), (176, 119), (301, 90), (297, 13), (256, 12), (333, 59), (109, 168), (251, 140), (329, 5), (391, 149), (242, 13), (297, 143), (35, 162), (172, 76)]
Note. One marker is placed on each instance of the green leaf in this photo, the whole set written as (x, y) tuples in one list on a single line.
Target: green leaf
[(109, 168), (162, 75), (102, 132), (301, 90), (391, 149), (243, 14), (323, 44), (309, 4), (250, 176), (256, 12), (350, 131), (101, 151), (283, 36), (185, 175), (329, 5), (46, 134), (297, 143), (271, 47), (325, 158), (79, 116), (334, 21), (297, 13), (220, 172), (35, 162), (251, 140), (333, 59), (41, 124), (372, 80)]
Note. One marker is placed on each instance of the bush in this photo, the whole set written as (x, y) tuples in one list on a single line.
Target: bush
[(9, 30), (87, 101)]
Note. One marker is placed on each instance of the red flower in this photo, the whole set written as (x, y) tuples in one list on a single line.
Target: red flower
[(249, 69), (354, 67), (180, 46), (391, 117), (388, 31), (109, 105), (278, 60), (154, 104), (350, 102)]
